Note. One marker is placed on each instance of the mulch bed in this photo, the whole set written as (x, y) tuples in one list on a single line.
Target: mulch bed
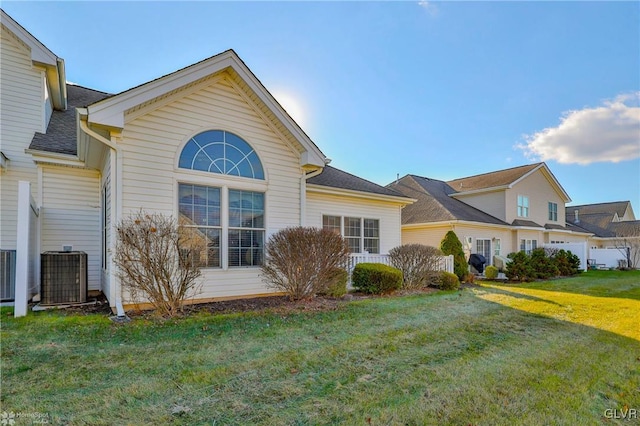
[(275, 304)]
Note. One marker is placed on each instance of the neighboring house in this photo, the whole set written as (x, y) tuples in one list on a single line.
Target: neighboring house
[(493, 214), (207, 143), (612, 225)]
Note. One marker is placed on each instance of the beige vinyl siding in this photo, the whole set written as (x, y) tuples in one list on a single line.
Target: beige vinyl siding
[(386, 212), (429, 236), (21, 115), (527, 235), (70, 214), (432, 236), (151, 145), (540, 192), (492, 203)]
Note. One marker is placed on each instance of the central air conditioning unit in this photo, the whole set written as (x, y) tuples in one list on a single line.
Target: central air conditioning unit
[(63, 277), (7, 274)]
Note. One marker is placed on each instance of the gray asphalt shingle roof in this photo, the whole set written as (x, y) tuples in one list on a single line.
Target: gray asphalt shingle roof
[(491, 179), (598, 219), (336, 178), (61, 131), (600, 208), (529, 223), (434, 203)]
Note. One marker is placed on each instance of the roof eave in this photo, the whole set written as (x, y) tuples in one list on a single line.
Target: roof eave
[(322, 189), (455, 222)]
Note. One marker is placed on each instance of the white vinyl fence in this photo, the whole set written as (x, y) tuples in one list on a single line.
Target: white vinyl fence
[(608, 257)]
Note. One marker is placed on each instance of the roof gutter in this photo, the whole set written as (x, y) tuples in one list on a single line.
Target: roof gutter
[(116, 172)]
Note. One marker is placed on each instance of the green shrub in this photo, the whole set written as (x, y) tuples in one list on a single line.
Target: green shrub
[(419, 264), (451, 245), (338, 287), (544, 267), (519, 269), (567, 262), (376, 278), (491, 272), (449, 281)]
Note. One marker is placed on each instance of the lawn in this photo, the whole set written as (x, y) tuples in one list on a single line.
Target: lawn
[(558, 352)]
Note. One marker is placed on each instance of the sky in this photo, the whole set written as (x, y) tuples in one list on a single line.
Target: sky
[(437, 89)]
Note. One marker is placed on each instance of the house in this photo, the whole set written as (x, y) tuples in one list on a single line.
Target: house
[(612, 225), (207, 143), (493, 214)]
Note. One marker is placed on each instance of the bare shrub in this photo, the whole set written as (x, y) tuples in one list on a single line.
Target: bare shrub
[(303, 262), (158, 260), (419, 264)]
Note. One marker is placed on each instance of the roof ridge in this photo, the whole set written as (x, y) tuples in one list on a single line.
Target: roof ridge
[(599, 204), (496, 171)]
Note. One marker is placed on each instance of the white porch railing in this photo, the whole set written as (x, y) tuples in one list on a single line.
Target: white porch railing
[(445, 264)]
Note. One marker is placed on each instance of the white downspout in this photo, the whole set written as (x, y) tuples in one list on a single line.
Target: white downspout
[(303, 191), (116, 162)]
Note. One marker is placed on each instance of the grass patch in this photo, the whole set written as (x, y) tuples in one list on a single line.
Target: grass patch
[(558, 352)]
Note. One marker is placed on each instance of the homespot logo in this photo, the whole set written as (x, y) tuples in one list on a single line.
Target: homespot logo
[(10, 418), (621, 414)]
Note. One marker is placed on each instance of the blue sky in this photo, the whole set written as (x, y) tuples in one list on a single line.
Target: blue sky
[(437, 89)]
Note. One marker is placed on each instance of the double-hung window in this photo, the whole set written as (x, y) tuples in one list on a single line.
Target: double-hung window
[(361, 234), (246, 228), (528, 246), (553, 211), (199, 208), (352, 233), (230, 220), (523, 206)]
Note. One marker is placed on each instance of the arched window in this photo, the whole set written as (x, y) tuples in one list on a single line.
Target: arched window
[(217, 151)]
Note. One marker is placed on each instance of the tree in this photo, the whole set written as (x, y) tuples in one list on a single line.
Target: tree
[(158, 260), (451, 245), (627, 240)]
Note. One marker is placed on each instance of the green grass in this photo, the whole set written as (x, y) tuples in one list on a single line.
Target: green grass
[(558, 352)]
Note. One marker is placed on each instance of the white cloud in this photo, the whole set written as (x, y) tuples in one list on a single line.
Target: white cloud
[(429, 6), (608, 133)]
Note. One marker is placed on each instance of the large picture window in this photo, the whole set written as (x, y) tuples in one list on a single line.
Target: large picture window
[(201, 208), (231, 221), (361, 234)]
